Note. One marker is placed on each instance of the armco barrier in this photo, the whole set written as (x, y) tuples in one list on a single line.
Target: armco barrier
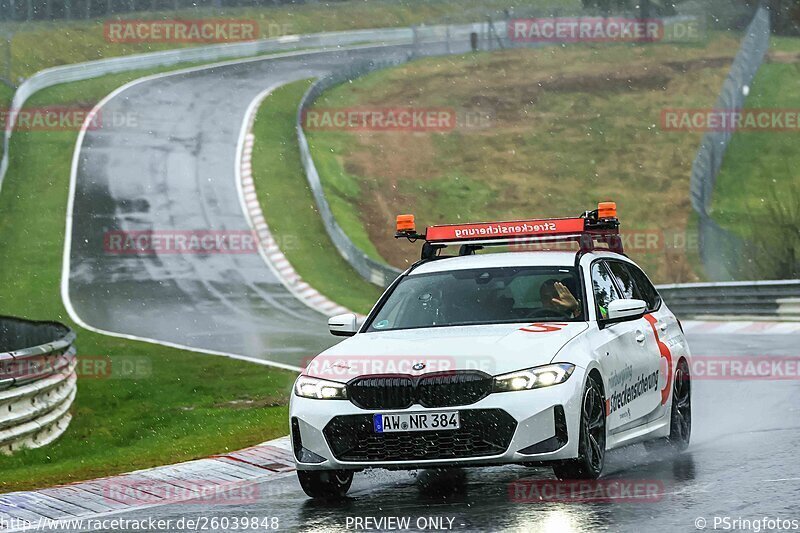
[(453, 40), (375, 272), (37, 382), (216, 52), (91, 69), (720, 250), (736, 298)]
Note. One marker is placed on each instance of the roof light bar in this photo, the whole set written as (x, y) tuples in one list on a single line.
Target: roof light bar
[(600, 225), (508, 231)]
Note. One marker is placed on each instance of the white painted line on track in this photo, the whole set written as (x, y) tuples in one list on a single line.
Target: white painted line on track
[(65, 267)]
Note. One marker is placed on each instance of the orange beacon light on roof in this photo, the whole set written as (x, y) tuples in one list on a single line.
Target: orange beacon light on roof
[(405, 224), (607, 210)]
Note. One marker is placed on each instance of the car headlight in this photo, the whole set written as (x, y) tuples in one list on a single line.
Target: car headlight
[(319, 389), (533, 378)]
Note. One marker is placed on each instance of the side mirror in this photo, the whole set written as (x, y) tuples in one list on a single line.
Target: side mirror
[(626, 309), (345, 325)]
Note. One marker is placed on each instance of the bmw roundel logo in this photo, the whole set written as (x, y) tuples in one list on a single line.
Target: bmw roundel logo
[(418, 366)]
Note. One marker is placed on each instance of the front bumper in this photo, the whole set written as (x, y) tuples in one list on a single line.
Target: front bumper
[(541, 425)]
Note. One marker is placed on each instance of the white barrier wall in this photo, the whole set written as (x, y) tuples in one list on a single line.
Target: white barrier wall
[(38, 382)]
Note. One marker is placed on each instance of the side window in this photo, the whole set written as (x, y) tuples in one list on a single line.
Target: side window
[(648, 293), (625, 280), (604, 290)]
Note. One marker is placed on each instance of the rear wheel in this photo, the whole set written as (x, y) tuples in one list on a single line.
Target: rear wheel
[(325, 483), (592, 438), (680, 427)]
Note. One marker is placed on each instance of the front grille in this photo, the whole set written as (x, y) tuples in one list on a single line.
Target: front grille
[(445, 389), (387, 392), (483, 432)]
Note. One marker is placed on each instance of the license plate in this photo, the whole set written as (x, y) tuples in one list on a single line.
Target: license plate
[(416, 422)]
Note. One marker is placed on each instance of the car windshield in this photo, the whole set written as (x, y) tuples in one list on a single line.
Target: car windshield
[(481, 296)]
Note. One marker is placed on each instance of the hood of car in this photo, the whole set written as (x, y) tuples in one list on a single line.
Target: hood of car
[(493, 349)]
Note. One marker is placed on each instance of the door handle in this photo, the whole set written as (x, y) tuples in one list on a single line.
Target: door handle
[(640, 337), (663, 326)]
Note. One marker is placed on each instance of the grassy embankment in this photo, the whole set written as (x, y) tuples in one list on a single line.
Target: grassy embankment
[(558, 129), (757, 194)]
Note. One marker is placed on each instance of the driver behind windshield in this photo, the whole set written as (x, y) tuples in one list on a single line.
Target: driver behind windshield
[(556, 296)]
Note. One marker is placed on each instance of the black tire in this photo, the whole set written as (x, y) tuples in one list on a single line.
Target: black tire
[(325, 483), (680, 425), (592, 437)]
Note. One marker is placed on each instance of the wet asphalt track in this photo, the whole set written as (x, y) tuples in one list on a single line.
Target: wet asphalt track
[(163, 159), (174, 170), (743, 462)]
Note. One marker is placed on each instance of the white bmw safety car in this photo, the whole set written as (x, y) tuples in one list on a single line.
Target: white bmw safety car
[(532, 357)]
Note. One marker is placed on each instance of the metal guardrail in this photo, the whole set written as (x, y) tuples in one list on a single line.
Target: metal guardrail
[(376, 272), (38, 382), (737, 298), (453, 39), (91, 69), (720, 250)]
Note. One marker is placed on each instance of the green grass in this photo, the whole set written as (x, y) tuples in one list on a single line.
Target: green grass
[(38, 45), (759, 163), (341, 187), (289, 207), (188, 406), (6, 94), (761, 172), (565, 127)]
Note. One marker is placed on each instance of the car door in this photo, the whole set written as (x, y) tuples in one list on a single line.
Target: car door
[(614, 342), (671, 343), (650, 379), (631, 376)]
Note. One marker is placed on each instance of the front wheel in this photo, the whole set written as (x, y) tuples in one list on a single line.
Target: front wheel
[(592, 438), (325, 483)]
